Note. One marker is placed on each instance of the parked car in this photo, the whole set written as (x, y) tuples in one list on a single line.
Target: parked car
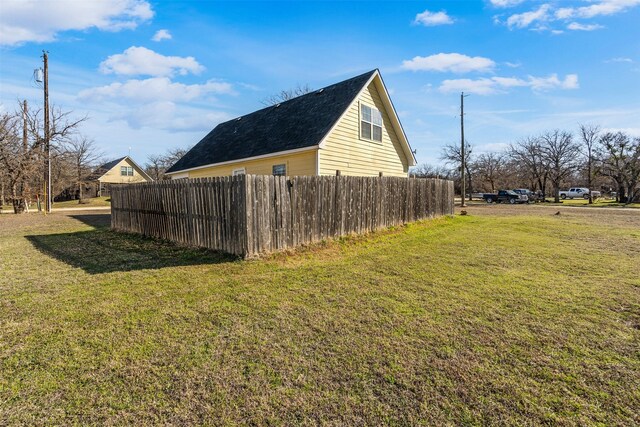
[(506, 196), (533, 197), (578, 193)]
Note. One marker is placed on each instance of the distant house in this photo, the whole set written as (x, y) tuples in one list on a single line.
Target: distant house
[(348, 128), (119, 171)]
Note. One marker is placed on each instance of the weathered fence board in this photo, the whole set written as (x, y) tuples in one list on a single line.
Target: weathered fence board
[(251, 214)]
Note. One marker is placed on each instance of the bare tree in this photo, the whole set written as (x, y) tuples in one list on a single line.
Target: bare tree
[(17, 162), (589, 140), (528, 152), (427, 170), (451, 154), (157, 164), (285, 95), (620, 161), (489, 168), (21, 148), (561, 154), (83, 153)]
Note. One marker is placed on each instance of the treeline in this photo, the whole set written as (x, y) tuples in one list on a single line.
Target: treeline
[(549, 162), (22, 155), (157, 164)]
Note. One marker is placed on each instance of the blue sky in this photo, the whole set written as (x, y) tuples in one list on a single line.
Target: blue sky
[(153, 75)]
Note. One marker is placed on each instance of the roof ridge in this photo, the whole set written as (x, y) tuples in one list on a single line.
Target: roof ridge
[(313, 92)]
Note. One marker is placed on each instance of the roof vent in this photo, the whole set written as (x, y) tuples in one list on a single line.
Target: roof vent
[(320, 91), (277, 105), (238, 119)]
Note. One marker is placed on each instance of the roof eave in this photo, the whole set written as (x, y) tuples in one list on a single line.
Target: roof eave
[(245, 159)]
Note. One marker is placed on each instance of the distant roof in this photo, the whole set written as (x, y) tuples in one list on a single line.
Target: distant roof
[(109, 165), (103, 169), (294, 124)]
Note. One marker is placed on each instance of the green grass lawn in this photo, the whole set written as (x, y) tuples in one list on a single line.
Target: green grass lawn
[(494, 318), (86, 203)]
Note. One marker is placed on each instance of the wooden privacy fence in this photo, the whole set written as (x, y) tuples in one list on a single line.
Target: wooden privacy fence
[(250, 214)]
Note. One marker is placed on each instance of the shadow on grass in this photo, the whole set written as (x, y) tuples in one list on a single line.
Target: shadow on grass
[(104, 251), (94, 220)]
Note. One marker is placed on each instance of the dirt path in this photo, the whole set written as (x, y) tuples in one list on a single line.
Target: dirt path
[(613, 216)]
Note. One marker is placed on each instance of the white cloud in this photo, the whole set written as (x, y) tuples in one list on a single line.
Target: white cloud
[(552, 82), (634, 132), (453, 62), (605, 7), (546, 13), (161, 35), (564, 13), (509, 81), (576, 26), (620, 59), (24, 21), (142, 61), (154, 89), (505, 3), (523, 20), (429, 19), (168, 116), (482, 86), (513, 64), (493, 85)]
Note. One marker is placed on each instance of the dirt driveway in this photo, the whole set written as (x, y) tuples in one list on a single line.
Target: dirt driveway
[(613, 216)]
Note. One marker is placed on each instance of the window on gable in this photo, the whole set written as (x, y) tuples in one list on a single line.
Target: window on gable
[(370, 123), (126, 171), (279, 170)]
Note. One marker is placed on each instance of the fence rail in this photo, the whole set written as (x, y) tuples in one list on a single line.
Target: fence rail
[(250, 214)]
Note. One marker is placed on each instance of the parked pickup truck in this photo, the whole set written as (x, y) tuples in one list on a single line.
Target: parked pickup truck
[(578, 193), (506, 196), (533, 197)]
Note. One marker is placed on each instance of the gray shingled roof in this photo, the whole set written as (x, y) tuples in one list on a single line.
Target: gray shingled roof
[(102, 169), (298, 123)]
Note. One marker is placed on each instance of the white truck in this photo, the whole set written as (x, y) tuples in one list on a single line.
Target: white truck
[(578, 193)]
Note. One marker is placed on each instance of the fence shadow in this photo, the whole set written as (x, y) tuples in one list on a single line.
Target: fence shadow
[(94, 220), (105, 251)]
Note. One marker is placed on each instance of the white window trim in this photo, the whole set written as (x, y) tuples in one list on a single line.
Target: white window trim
[(360, 120), (239, 171)]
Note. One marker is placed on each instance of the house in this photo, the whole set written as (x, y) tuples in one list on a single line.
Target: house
[(348, 128), (119, 171)]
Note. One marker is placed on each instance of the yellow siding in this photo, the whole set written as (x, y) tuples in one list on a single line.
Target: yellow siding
[(345, 151), (303, 163), (113, 175)]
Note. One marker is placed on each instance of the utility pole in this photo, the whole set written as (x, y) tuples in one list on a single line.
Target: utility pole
[(462, 165), (47, 148), (25, 144)]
